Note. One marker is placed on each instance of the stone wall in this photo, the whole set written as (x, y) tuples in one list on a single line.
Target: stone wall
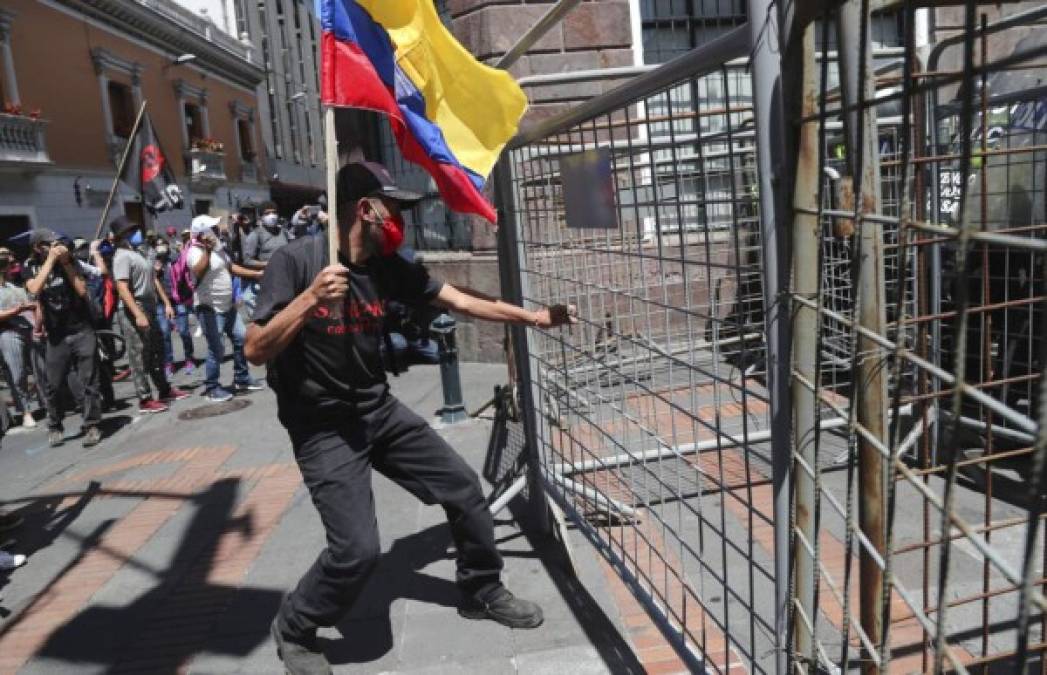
[(477, 341), (949, 21), (595, 34)]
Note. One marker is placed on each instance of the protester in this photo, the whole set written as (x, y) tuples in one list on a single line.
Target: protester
[(318, 325), (38, 343), (141, 295), (16, 335), (265, 239), (59, 284), (180, 324), (259, 247), (309, 220), (215, 308)]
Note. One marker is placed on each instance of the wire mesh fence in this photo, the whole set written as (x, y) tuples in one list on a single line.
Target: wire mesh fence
[(925, 552), (651, 416), (915, 458)]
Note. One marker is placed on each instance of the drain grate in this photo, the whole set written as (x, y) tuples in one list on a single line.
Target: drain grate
[(214, 409)]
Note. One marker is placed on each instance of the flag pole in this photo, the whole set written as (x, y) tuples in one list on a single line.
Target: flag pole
[(331, 155), (120, 170)]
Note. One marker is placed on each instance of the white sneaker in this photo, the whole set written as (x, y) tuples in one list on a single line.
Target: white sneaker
[(28, 422), (9, 561)]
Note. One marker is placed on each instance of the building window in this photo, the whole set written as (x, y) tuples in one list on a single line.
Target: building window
[(194, 122), (292, 128), (246, 142), (315, 52), (122, 108), (674, 27), (241, 19)]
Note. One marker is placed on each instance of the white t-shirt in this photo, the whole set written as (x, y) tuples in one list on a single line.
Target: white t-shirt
[(215, 289)]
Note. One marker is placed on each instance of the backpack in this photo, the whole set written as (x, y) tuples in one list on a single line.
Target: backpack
[(182, 282), (101, 300)]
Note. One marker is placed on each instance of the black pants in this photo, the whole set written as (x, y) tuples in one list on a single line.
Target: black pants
[(76, 350), (336, 466)]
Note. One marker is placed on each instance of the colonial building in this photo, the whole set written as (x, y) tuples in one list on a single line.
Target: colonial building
[(285, 34), (74, 74)]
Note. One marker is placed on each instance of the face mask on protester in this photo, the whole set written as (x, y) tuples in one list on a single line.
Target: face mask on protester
[(215, 239), (270, 220), (135, 240), (162, 251), (388, 234)]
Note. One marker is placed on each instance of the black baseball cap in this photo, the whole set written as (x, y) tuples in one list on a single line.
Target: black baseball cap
[(122, 226), (370, 179)]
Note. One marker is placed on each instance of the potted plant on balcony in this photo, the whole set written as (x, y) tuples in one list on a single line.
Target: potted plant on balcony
[(16, 110), (207, 145)]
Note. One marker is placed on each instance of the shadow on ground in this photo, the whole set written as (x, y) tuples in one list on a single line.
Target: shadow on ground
[(164, 628), (43, 522)]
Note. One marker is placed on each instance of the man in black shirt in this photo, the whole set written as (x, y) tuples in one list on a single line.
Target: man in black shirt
[(319, 327), (58, 283)]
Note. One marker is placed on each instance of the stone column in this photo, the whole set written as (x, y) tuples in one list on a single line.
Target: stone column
[(103, 88), (179, 88), (7, 17), (136, 86)]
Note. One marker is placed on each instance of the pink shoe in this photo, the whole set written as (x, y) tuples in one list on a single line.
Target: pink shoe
[(169, 370), (149, 406)]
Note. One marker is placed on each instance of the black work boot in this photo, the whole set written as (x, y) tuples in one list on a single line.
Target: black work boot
[(502, 606), (300, 657)]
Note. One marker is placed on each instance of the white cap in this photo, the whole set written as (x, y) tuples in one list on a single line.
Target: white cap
[(202, 224)]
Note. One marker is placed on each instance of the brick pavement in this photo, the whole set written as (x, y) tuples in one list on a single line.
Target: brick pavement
[(200, 588), (747, 495), (169, 554)]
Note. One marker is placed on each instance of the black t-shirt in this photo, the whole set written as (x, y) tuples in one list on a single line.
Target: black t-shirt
[(334, 368), (65, 312)]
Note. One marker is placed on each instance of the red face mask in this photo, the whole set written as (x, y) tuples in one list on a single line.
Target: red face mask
[(389, 234)]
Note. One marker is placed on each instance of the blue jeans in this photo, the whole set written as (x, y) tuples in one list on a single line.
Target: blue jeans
[(181, 324), (215, 325), (14, 346)]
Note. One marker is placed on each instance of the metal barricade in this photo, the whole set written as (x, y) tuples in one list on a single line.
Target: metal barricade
[(651, 421), (825, 456), (920, 549)]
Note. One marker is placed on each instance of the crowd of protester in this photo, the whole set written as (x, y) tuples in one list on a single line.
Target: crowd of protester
[(78, 315), (72, 307)]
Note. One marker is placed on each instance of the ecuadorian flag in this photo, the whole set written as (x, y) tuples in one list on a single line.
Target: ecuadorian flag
[(450, 113)]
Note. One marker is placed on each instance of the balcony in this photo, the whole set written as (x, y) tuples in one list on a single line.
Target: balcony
[(206, 169), (23, 143)]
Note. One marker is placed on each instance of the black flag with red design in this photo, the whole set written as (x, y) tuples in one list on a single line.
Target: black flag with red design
[(148, 168)]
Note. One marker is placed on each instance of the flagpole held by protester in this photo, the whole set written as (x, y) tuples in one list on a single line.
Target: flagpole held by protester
[(331, 157), (120, 170)]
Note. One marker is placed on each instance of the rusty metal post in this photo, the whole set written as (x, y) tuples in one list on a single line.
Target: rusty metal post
[(805, 279), (870, 388)]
